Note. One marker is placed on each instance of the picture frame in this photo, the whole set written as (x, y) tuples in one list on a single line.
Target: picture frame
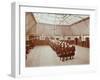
[(18, 68)]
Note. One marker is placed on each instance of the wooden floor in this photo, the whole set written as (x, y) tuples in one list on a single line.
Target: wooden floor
[(45, 56)]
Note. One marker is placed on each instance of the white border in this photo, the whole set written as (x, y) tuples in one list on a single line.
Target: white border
[(19, 56)]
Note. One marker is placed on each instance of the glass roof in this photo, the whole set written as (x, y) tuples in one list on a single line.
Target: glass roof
[(58, 19)]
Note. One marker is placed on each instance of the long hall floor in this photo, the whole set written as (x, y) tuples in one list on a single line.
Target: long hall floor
[(45, 56)]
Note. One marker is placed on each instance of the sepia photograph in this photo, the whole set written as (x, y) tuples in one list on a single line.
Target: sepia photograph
[(55, 39)]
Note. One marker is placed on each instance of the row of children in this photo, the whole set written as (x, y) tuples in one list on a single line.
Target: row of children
[(63, 49)]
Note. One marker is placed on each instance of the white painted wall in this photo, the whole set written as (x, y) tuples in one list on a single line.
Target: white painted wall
[(30, 23), (47, 29), (81, 28)]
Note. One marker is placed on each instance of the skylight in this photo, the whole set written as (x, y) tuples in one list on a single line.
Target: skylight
[(58, 19)]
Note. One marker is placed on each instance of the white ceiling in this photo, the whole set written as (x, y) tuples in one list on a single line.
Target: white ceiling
[(58, 19)]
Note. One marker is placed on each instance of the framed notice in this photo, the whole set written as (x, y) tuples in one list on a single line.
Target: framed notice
[(50, 40)]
